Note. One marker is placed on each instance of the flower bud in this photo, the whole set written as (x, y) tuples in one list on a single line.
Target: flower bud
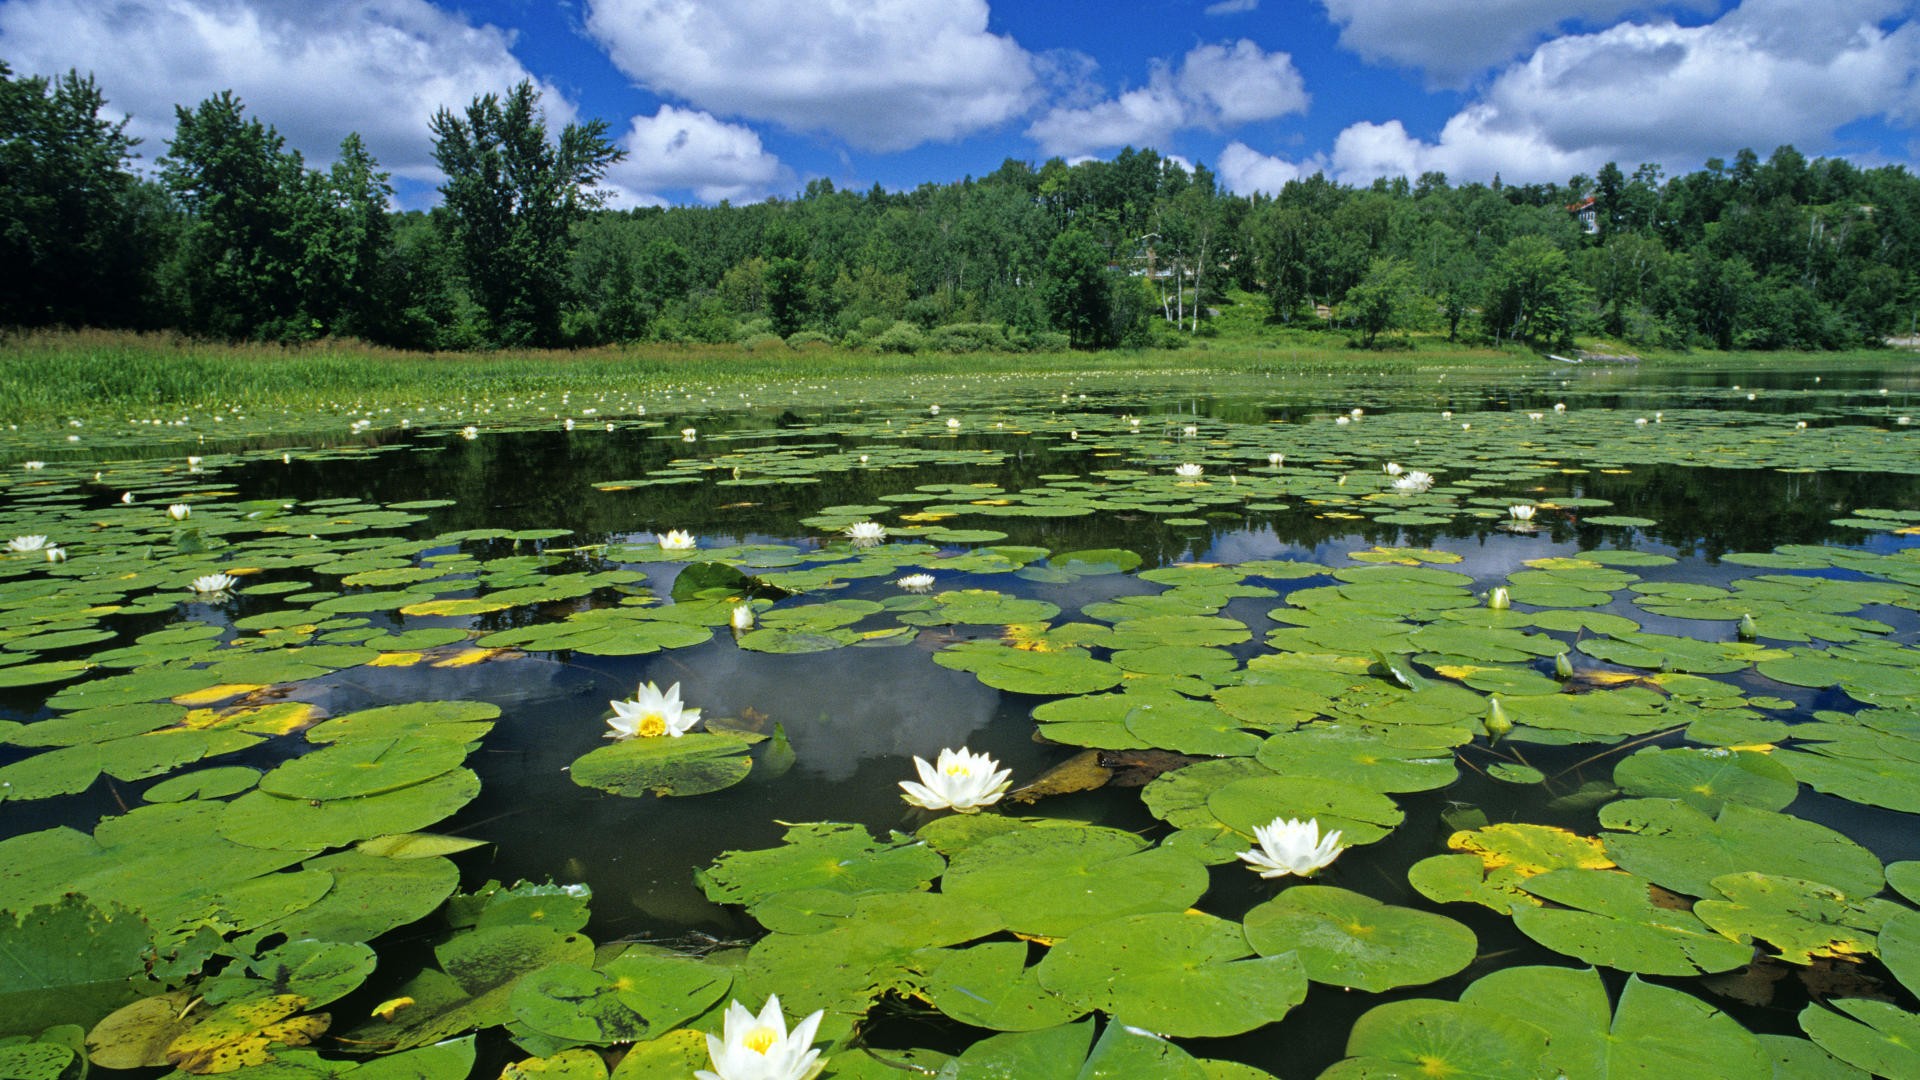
[(1496, 721), (1497, 600), (1748, 628), (1563, 666)]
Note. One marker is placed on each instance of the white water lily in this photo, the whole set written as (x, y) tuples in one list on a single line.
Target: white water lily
[(866, 532), (1413, 481), (1189, 471), (1392, 468), (1536, 416), (933, 410), (1290, 846), (1446, 414), (1190, 430), (742, 617), (1559, 406), (677, 540), (26, 543), (1276, 458), (1357, 412), (1519, 512), (958, 780), (760, 1047), (213, 584), (953, 423), (651, 714), (688, 434), (470, 432), (179, 511), (33, 466), (1342, 421), (55, 554), (915, 582)]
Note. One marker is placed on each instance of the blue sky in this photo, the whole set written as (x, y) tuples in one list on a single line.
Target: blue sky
[(745, 99)]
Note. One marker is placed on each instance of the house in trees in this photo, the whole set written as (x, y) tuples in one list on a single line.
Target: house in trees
[(1586, 213)]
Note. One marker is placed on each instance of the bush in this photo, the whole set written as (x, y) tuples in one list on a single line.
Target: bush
[(748, 329), (969, 337), (809, 339), (1047, 341), (761, 341), (901, 337)]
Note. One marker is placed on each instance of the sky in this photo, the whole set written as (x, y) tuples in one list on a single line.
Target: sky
[(750, 99)]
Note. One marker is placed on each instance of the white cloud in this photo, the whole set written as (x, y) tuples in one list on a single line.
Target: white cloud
[(315, 71), (1452, 40), (1232, 7), (1215, 86), (1245, 170), (1770, 72), (881, 74), (688, 150)]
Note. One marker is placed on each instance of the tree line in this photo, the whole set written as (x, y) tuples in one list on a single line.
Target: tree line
[(233, 235)]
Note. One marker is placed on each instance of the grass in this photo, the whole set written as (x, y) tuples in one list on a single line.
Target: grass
[(47, 376)]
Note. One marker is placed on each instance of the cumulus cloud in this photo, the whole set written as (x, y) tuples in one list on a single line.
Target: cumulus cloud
[(881, 74), (1245, 170), (1453, 40), (1215, 86), (1768, 72), (313, 71), (689, 150)]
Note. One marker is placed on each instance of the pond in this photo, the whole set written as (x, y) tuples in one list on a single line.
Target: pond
[(1606, 678)]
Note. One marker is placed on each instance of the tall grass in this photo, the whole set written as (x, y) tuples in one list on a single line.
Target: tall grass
[(46, 375)]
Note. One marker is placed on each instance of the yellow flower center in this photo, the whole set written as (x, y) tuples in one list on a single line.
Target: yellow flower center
[(959, 770), (652, 725), (760, 1040)]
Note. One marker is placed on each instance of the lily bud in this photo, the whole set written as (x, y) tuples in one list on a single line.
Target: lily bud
[(1748, 628), (1496, 721), (1497, 600), (1563, 666)]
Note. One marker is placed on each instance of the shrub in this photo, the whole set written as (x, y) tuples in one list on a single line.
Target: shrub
[(969, 337), (767, 340), (901, 337), (809, 339)]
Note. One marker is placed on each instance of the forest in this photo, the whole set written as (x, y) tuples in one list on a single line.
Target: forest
[(228, 234)]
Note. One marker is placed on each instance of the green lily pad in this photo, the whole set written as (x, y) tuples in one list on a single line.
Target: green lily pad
[(1049, 881), (1346, 939), (1607, 917), (1705, 779), (1872, 1035), (692, 764), (989, 985), (1181, 974), (1682, 848), (820, 855)]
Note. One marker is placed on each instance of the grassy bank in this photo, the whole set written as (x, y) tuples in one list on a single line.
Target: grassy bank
[(49, 376)]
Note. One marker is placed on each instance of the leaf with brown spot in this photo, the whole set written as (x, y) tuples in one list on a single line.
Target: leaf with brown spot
[(1081, 772)]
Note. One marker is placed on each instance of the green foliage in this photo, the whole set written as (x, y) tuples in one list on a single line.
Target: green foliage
[(512, 199)]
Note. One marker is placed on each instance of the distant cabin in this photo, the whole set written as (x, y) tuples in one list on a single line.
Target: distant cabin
[(1588, 215)]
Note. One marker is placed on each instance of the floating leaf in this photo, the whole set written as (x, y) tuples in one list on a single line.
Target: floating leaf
[(1346, 939)]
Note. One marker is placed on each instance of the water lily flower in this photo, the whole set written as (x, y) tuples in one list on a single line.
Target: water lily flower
[(742, 617), (470, 432), (761, 1048), (1640, 422), (1497, 600), (916, 582), (677, 540), (688, 434), (1562, 666), (1446, 414), (1748, 629), (933, 410), (1496, 721), (866, 532), (33, 466), (193, 462), (1521, 513), (1536, 416), (1188, 471), (20, 544), (214, 584), (1357, 413), (958, 780), (1276, 458), (179, 511), (1413, 482), (567, 424), (126, 498), (651, 714), (1341, 420), (56, 554), (1799, 425), (1290, 846), (1559, 406)]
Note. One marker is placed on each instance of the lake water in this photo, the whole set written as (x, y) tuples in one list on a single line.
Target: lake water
[(1054, 523)]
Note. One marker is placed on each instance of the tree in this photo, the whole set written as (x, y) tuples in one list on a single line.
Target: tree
[(1075, 288), (1381, 301), (513, 198), (251, 205), (69, 248), (1532, 295)]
